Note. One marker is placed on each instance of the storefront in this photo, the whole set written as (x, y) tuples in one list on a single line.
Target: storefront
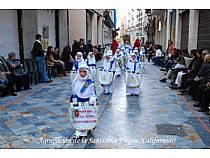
[(185, 29), (204, 29)]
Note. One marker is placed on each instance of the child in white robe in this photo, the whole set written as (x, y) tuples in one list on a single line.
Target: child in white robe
[(83, 91), (78, 61), (134, 67), (108, 65), (91, 62), (118, 60)]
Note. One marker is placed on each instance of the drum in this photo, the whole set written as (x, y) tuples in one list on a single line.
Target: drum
[(104, 77), (132, 79), (84, 116)]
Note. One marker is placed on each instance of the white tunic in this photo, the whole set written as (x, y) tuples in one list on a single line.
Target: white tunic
[(130, 66), (88, 93), (91, 60), (107, 66)]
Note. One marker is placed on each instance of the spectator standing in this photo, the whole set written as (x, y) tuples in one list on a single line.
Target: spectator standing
[(82, 48), (89, 46), (38, 53), (114, 46), (137, 44), (75, 48)]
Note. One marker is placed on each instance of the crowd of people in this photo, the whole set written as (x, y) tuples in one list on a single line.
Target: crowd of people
[(189, 73), (13, 73)]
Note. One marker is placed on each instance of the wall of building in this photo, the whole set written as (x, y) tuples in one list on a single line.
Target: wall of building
[(100, 31), (30, 29), (63, 29), (77, 24), (8, 32), (47, 18), (94, 29), (107, 35)]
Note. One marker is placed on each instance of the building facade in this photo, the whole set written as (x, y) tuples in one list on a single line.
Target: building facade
[(96, 25), (57, 27), (133, 24), (187, 28), (19, 27)]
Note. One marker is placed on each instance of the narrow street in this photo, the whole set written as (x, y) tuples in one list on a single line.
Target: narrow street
[(127, 122)]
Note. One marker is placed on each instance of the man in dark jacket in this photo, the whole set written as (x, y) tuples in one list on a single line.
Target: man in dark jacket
[(38, 53)]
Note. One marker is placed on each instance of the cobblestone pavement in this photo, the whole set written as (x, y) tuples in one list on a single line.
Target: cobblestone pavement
[(40, 114), (131, 122)]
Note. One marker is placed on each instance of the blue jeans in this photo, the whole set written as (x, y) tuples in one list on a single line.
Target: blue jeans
[(156, 60), (42, 69)]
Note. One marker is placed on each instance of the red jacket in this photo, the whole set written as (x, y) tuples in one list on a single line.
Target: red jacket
[(137, 44), (114, 46)]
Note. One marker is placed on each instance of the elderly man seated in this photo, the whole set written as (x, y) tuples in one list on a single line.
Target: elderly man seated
[(5, 77), (19, 77)]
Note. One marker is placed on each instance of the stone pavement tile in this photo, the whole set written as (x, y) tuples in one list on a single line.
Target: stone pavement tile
[(35, 145), (67, 132), (54, 135), (42, 127), (17, 143), (48, 130)]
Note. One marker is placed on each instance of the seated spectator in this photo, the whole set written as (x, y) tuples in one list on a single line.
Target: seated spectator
[(56, 54), (5, 76), (170, 60), (158, 55), (151, 52), (19, 77), (67, 58), (52, 62), (203, 92), (187, 79), (175, 65)]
